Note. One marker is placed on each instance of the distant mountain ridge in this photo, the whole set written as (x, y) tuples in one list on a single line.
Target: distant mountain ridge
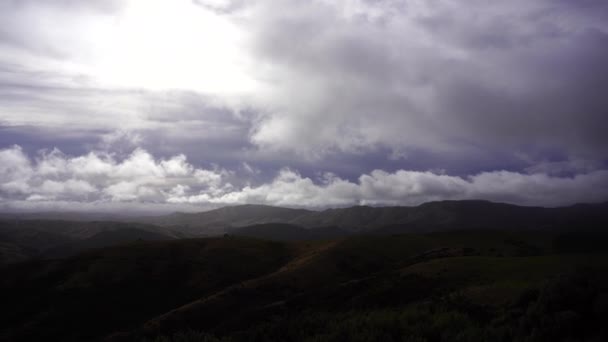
[(219, 221), (23, 239), (427, 217)]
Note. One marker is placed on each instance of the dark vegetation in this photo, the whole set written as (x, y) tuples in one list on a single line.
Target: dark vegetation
[(288, 232), (26, 239), (543, 280)]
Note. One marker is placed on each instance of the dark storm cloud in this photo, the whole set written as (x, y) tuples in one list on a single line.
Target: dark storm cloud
[(551, 98), (443, 76)]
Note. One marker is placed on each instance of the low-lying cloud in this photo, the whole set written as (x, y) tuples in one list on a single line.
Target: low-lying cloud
[(99, 177), (99, 181)]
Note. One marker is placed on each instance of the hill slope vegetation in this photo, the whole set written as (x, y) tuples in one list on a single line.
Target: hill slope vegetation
[(461, 285)]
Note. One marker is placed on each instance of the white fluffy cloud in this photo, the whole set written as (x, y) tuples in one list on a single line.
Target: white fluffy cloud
[(99, 177), (413, 188), (100, 181)]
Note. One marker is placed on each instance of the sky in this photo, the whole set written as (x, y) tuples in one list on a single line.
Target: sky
[(163, 105)]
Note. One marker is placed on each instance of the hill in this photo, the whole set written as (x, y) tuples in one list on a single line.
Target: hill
[(457, 215), (104, 289), (458, 285), (118, 235), (428, 217), (218, 221), (288, 232), (25, 239)]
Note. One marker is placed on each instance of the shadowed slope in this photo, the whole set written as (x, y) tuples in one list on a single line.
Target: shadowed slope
[(369, 271), (102, 291), (26, 239), (251, 289), (218, 221), (428, 217), (288, 232)]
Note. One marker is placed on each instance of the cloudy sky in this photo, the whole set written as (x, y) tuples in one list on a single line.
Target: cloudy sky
[(192, 104)]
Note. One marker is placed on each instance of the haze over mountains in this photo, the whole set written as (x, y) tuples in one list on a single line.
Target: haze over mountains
[(26, 236), (432, 216)]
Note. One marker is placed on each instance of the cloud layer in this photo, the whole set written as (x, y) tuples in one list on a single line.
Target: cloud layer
[(446, 76), (98, 180), (446, 98)]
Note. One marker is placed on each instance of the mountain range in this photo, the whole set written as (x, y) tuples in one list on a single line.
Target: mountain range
[(441, 271), (428, 217), (25, 236)]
